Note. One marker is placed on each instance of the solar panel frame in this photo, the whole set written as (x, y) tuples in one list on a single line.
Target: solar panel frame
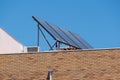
[(43, 23), (63, 36), (75, 38)]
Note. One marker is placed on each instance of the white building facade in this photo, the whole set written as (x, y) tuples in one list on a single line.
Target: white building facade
[(8, 44)]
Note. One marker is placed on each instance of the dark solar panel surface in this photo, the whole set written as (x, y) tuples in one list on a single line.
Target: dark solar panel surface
[(63, 35)]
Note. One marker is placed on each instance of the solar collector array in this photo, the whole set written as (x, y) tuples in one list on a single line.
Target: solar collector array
[(63, 36)]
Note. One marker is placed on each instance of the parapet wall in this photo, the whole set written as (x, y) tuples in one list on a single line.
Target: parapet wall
[(71, 65)]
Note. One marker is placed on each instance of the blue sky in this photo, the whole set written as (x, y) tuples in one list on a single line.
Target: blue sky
[(97, 21)]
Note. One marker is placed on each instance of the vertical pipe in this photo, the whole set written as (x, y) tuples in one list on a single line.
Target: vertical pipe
[(50, 72), (38, 36), (49, 76)]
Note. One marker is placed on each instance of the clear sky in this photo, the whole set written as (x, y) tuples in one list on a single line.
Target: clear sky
[(96, 21)]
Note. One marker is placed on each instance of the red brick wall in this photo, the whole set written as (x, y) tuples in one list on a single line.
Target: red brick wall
[(72, 65)]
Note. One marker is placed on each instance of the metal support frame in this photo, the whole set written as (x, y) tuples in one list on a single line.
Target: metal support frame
[(56, 44), (39, 29), (53, 46), (38, 35)]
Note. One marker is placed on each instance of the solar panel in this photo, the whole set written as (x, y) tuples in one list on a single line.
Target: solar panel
[(82, 43), (63, 36)]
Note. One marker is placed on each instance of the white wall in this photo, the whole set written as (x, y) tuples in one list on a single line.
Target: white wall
[(8, 44)]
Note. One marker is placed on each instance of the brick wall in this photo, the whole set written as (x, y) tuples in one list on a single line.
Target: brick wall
[(71, 65)]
